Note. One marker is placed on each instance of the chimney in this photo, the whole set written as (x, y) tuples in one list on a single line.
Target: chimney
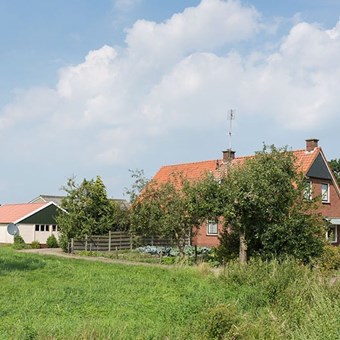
[(311, 144), (228, 155)]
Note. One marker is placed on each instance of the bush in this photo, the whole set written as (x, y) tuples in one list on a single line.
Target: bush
[(221, 321), (329, 260), (35, 245), (64, 243), (52, 242), (228, 248), (19, 242)]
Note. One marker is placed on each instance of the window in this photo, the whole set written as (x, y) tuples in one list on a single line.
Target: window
[(325, 192), (54, 227), (332, 234), (42, 227), (212, 228), (307, 190)]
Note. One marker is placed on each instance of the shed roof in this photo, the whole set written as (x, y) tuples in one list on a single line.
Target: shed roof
[(14, 213)]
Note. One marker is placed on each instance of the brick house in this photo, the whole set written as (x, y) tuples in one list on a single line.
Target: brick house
[(311, 161)]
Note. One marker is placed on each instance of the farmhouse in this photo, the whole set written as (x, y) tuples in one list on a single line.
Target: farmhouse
[(311, 161), (35, 221)]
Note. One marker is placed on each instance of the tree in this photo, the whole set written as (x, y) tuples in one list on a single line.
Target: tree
[(261, 200), (89, 211), (166, 210), (335, 166)]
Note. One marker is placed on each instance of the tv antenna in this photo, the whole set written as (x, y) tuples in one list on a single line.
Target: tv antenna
[(231, 117)]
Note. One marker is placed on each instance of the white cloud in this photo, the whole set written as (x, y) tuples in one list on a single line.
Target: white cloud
[(212, 24), (294, 85), (110, 107)]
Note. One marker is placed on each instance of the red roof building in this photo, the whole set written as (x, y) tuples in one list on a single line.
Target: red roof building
[(311, 161), (34, 221)]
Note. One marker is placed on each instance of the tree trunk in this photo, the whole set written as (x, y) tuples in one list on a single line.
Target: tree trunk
[(243, 247)]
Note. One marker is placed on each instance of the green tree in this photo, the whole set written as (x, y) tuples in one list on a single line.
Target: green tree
[(335, 166), (261, 200), (89, 211), (166, 210)]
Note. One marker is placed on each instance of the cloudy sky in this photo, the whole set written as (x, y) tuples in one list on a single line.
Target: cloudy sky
[(100, 87)]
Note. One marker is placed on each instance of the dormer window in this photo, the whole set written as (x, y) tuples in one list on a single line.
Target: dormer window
[(325, 192)]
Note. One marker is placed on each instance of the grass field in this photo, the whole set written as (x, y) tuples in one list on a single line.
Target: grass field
[(56, 298)]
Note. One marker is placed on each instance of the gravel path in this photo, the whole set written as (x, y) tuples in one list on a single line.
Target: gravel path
[(59, 252)]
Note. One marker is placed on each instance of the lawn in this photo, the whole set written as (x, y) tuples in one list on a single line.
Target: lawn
[(55, 298)]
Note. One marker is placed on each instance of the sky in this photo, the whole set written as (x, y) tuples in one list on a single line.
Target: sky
[(98, 88)]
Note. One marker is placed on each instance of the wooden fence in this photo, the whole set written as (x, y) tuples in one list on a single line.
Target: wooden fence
[(115, 240)]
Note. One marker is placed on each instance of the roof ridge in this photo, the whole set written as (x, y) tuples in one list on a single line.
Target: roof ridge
[(221, 159), (6, 204), (209, 160)]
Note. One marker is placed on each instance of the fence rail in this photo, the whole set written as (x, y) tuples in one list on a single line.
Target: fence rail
[(115, 240)]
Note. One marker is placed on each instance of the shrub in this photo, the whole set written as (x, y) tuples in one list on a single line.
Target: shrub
[(35, 245), (330, 258), (228, 248), (52, 242), (64, 243), (19, 242), (221, 320)]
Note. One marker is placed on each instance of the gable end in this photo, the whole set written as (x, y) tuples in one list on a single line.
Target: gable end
[(319, 169), (43, 216)]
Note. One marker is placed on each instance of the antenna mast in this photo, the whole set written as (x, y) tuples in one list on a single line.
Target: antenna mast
[(231, 117)]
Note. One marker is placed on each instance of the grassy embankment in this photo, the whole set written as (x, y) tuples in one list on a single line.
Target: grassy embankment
[(55, 298)]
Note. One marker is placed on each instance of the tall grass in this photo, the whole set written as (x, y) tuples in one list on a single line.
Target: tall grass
[(55, 298)]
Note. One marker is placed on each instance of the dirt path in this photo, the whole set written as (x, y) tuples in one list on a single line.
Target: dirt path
[(59, 252)]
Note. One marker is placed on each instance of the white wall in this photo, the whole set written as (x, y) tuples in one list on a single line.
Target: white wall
[(42, 236), (5, 237), (27, 232)]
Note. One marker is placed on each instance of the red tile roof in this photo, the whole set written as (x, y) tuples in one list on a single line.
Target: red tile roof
[(10, 213), (195, 171), (304, 159)]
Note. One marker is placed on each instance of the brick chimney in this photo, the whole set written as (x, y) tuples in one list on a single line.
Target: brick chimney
[(311, 144), (228, 155)]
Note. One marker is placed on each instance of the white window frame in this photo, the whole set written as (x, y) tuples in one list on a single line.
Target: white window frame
[(323, 193), (210, 224), (42, 228), (335, 233), (308, 190)]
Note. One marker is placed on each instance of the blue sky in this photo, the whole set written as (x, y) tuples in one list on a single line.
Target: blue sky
[(99, 87)]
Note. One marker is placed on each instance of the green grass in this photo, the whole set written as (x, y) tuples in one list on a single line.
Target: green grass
[(56, 298)]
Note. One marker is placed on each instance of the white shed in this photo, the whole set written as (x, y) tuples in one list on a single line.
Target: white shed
[(35, 221)]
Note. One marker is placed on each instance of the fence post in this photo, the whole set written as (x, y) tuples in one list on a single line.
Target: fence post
[(131, 242), (86, 243), (72, 245), (110, 240)]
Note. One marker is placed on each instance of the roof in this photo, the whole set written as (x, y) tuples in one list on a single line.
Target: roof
[(47, 198), (13, 213), (57, 200), (195, 171), (304, 159)]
